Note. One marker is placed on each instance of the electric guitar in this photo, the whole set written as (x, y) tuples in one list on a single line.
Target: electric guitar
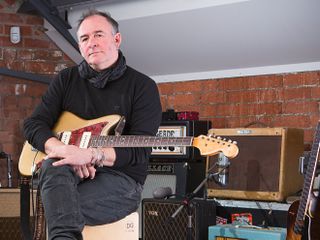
[(73, 130), (304, 215)]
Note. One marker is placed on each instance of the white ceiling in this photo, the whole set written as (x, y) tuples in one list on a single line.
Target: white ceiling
[(174, 40)]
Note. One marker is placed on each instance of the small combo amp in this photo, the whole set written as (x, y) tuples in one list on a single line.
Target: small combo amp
[(158, 223), (267, 166), (10, 227), (182, 177), (245, 232), (9, 214), (182, 128)]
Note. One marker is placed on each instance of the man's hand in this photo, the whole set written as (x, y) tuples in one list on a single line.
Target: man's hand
[(78, 158), (70, 154), (85, 171)]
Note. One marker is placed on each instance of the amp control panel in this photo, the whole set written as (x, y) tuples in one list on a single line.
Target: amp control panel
[(178, 129)]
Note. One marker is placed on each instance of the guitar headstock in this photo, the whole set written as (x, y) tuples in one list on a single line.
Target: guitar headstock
[(209, 146)]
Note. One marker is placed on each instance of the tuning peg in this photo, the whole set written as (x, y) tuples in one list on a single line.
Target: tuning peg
[(235, 142), (229, 141), (219, 138)]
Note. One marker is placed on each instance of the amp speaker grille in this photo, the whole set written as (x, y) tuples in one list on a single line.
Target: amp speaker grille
[(10, 228), (158, 224)]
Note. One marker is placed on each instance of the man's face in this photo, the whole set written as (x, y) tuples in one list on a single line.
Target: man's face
[(97, 42)]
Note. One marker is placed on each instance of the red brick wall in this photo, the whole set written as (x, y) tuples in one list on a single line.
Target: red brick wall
[(34, 54), (281, 100)]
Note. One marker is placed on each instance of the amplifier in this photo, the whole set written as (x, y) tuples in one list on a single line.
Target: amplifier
[(10, 227), (5, 170), (181, 177), (179, 129), (246, 232), (267, 166), (263, 213), (158, 224)]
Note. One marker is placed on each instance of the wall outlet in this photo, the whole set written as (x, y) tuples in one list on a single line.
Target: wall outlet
[(15, 34)]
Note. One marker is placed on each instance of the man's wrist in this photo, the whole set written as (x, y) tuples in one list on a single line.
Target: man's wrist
[(97, 157)]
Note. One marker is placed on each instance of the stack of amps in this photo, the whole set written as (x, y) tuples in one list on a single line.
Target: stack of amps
[(266, 169), (181, 168)]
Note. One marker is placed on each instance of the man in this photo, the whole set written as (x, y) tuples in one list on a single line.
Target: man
[(91, 185)]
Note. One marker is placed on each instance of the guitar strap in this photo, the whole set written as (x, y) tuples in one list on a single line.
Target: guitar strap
[(25, 208)]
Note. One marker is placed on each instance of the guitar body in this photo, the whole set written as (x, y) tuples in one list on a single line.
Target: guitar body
[(30, 157), (304, 215), (292, 214), (311, 225)]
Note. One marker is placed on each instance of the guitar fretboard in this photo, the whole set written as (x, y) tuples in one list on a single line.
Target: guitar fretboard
[(308, 182), (139, 141)]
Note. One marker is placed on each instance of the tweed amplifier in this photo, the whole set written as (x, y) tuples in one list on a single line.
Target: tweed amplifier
[(10, 214), (267, 166), (158, 224)]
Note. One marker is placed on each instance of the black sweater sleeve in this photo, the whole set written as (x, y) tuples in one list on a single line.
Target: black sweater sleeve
[(38, 127)]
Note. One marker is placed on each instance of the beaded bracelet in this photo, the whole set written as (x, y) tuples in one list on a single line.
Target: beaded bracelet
[(97, 157), (100, 160)]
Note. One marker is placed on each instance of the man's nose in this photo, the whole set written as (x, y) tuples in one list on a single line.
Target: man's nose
[(92, 43)]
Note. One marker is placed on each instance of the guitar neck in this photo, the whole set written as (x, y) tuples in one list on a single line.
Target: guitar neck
[(308, 183), (139, 141)]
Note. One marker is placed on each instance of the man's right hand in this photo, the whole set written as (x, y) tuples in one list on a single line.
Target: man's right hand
[(78, 158)]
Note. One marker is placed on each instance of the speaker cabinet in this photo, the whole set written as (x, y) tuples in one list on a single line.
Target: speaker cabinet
[(267, 166), (181, 177), (10, 214), (158, 224)]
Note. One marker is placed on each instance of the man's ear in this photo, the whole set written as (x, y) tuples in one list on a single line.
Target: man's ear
[(118, 39)]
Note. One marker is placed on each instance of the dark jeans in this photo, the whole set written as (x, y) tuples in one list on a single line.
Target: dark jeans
[(70, 203)]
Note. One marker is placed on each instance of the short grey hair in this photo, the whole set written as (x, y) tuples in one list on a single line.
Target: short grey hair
[(107, 16)]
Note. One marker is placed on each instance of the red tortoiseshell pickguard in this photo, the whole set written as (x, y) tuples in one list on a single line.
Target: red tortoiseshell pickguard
[(76, 135)]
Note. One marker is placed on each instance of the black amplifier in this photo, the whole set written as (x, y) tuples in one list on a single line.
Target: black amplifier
[(183, 128), (158, 224), (5, 170)]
